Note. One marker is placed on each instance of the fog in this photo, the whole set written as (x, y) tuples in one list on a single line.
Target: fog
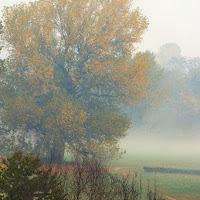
[(143, 144), (172, 21), (71, 87)]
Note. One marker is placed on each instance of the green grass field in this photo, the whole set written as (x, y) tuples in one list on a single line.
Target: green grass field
[(177, 186)]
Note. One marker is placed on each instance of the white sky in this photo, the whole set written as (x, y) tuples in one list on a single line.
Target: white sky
[(172, 21), (176, 21)]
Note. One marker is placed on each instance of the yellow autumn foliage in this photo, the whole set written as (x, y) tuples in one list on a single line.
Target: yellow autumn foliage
[(22, 112), (88, 40), (65, 117), (2, 166)]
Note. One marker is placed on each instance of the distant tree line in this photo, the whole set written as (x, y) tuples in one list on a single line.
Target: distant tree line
[(173, 103)]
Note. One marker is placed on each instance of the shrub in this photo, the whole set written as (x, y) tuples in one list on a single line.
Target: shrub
[(22, 178)]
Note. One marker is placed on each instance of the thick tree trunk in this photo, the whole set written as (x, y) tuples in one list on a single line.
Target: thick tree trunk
[(54, 149)]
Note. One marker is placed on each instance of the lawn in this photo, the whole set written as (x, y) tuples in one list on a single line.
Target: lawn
[(177, 186)]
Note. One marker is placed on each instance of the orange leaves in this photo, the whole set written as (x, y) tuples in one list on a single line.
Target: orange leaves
[(29, 32), (2, 165), (92, 37), (22, 112), (60, 116), (127, 77), (64, 117), (107, 124), (40, 78)]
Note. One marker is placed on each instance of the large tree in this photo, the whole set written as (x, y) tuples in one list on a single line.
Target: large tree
[(72, 65)]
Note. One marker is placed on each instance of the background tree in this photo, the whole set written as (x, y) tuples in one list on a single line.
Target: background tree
[(194, 79), (72, 65), (178, 112), (157, 92), (167, 52)]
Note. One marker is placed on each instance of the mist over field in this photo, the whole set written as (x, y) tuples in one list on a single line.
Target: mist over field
[(174, 145)]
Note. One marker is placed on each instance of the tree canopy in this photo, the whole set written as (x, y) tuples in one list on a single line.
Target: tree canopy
[(71, 65)]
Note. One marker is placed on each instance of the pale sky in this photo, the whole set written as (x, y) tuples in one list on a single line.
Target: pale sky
[(171, 21), (176, 21)]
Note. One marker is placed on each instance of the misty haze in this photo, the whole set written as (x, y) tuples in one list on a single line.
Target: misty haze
[(100, 99)]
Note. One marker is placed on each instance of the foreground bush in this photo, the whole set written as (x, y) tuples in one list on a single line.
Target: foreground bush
[(21, 178)]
